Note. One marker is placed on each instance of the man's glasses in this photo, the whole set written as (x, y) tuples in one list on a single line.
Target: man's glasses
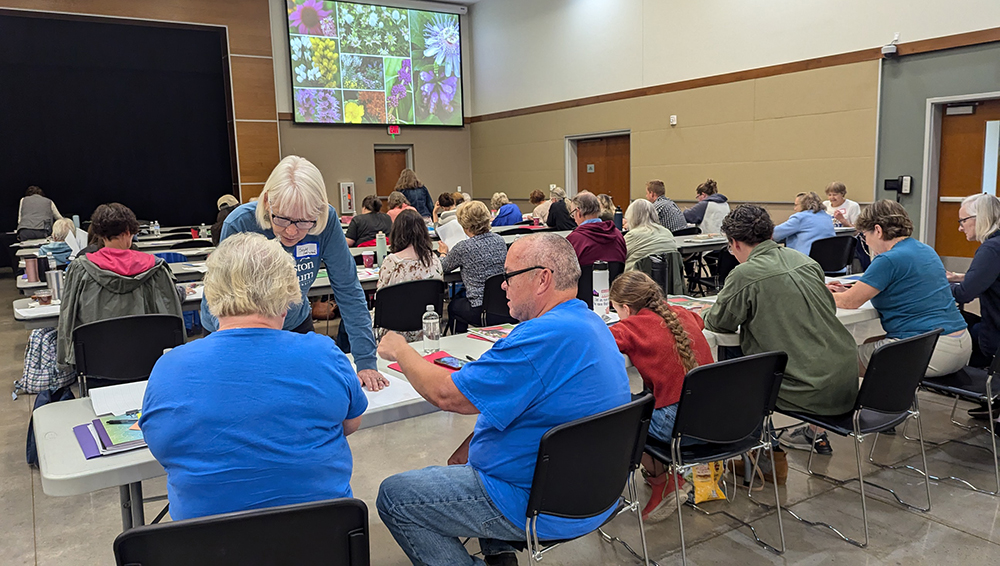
[(282, 222), (508, 275)]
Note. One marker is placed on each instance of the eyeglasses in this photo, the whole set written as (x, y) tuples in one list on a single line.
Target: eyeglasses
[(282, 222), (508, 275), (961, 221)]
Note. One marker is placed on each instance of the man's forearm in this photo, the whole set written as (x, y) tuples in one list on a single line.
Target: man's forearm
[(424, 376)]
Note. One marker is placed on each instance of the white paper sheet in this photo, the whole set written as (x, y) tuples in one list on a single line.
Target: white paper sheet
[(451, 233), (398, 391), (118, 399)]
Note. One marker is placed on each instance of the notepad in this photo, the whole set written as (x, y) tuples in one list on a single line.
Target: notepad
[(118, 399), (399, 391)]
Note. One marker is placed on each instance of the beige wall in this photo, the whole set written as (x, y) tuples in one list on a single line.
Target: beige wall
[(347, 153), (762, 140)]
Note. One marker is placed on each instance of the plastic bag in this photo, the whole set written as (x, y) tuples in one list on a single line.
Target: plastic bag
[(706, 478)]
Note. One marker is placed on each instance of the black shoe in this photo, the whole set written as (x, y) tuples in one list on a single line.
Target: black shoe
[(503, 559)]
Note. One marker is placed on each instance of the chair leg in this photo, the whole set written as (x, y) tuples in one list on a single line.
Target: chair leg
[(634, 494), (675, 449), (861, 477), (777, 499)]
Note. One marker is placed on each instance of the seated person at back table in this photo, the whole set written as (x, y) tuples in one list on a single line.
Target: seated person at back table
[(479, 257), (777, 300), (541, 205), (398, 203), (371, 221), (114, 280), (58, 247), (669, 214), (444, 210), (979, 220), (508, 213), (841, 208), (664, 343), (411, 259), (520, 389), (711, 209), (594, 239), (252, 416), (808, 224), (558, 216), (645, 235), (908, 286)]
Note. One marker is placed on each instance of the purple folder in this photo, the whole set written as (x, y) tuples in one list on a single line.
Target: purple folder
[(86, 441)]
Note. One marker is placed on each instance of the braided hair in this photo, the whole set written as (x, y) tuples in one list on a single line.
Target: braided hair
[(638, 291)]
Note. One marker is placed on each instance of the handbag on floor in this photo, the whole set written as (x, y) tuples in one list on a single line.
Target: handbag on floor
[(41, 372)]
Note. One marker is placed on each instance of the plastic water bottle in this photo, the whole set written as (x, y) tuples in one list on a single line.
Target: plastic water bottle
[(156, 228), (432, 330), (52, 261), (203, 231), (601, 289), (380, 248)]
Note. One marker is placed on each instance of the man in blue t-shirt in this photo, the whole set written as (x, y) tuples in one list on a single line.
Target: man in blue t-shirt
[(560, 364)]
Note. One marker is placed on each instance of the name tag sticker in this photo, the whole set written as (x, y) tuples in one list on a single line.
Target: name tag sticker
[(307, 250)]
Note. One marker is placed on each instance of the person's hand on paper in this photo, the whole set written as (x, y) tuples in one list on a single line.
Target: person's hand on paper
[(391, 345), (836, 287), (442, 248), (954, 277), (372, 380)]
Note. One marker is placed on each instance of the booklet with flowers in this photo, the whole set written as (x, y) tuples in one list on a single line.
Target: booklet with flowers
[(491, 333), (690, 303)]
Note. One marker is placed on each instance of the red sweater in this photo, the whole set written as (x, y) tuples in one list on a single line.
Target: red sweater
[(647, 341)]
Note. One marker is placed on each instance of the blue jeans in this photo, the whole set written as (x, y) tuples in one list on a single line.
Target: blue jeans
[(661, 425), (428, 510)]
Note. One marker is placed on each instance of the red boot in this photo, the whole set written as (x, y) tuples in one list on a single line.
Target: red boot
[(662, 503)]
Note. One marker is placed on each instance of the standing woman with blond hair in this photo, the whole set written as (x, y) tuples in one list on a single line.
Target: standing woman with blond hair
[(979, 220), (294, 210), (415, 192), (663, 343)]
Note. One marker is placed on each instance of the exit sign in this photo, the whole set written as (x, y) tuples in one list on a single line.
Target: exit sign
[(394, 130)]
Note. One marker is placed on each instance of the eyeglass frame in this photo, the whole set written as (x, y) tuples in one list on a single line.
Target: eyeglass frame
[(508, 275), (311, 223), (961, 221)]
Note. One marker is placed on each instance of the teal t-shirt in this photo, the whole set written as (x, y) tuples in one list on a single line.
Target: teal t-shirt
[(559, 367), (914, 295)]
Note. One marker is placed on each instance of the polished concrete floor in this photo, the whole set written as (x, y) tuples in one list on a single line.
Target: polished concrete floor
[(963, 527)]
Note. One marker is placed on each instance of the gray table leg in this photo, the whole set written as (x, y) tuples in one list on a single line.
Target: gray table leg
[(138, 518), (126, 503)]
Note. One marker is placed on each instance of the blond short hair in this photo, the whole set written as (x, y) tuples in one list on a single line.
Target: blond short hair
[(251, 275), (810, 201), (836, 187), (295, 188), (62, 228), (498, 200), (474, 217)]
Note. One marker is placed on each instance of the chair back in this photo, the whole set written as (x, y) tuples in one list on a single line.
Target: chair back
[(401, 307), (190, 244), (833, 254), (324, 532), (661, 268), (693, 230), (894, 372), (127, 347), (518, 231), (726, 402), (585, 286), (607, 445), (172, 257), (495, 307)]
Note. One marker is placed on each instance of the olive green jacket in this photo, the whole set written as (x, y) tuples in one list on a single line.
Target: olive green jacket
[(778, 301)]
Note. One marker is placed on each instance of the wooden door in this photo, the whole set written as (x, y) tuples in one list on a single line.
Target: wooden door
[(963, 144), (389, 163), (602, 166)]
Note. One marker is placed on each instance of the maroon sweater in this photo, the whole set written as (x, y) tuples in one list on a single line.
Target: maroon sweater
[(597, 241)]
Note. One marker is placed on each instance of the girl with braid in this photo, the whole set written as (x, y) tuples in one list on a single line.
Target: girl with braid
[(664, 343)]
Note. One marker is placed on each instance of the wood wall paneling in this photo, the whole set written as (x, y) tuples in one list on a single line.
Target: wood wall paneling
[(253, 88), (257, 147)]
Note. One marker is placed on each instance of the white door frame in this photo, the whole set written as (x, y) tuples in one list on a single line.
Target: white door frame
[(932, 158), (572, 183)]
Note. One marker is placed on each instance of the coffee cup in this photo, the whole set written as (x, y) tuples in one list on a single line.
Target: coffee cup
[(535, 221), (31, 269), (43, 296), (368, 258)]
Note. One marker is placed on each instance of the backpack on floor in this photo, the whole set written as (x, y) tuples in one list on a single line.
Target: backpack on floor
[(41, 373)]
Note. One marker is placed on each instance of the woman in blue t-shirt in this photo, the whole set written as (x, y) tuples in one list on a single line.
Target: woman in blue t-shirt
[(906, 283), (252, 416)]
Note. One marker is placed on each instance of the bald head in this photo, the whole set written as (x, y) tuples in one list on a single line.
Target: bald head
[(551, 251)]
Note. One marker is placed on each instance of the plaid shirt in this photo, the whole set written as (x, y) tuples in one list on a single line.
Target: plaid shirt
[(670, 216), (40, 370)]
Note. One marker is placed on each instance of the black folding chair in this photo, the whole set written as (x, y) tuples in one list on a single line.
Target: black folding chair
[(585, 286), (401, 307), (726, 425), (190, 244), (834, 254), (976, 385), (660, 267), (887, 398), (691, 231), (495, 307), (609, 445), (324, 532), (124, 348)]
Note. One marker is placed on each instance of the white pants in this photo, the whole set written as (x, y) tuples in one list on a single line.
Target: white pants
[(950, 355)]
